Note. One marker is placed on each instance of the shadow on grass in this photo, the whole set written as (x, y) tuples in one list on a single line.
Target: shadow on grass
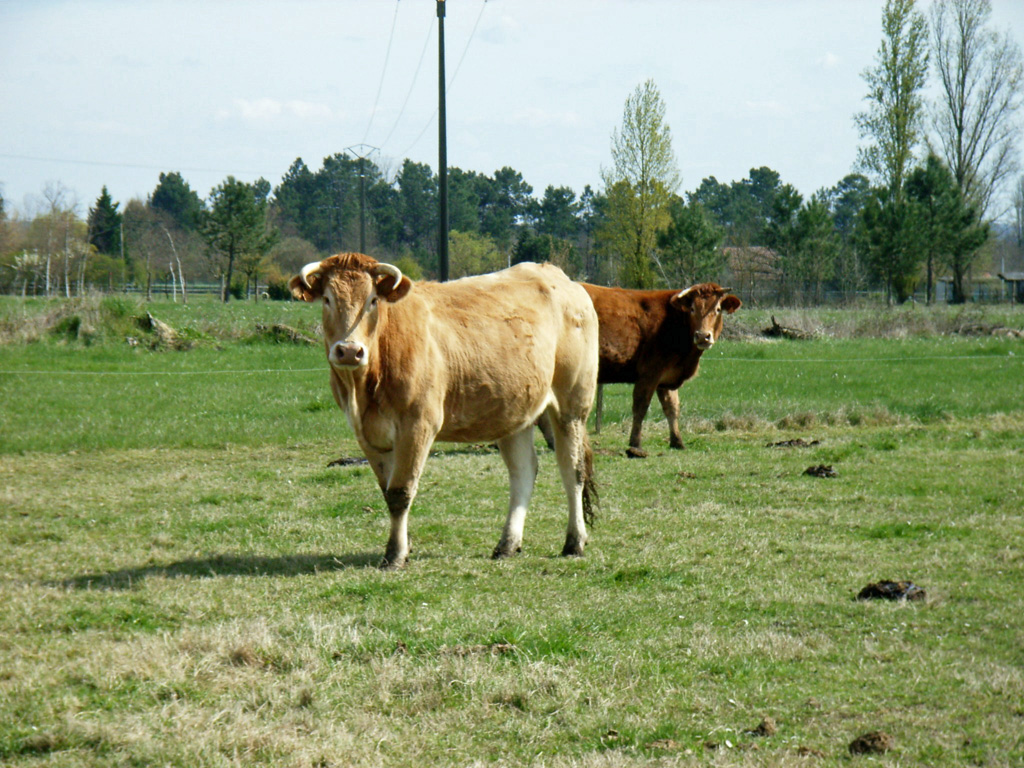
[(222, 565)]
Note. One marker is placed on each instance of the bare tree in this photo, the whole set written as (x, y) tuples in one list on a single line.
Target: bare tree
[(982, 79), (1018, 211)]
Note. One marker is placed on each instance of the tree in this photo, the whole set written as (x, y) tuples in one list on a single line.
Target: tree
[(846, 200), (506, 206), (817, 243), (472, 254), (557, 213), (640, 183), (982, 79), (236, 224), (894, 119), (948, 225), (174, 197), (782, 235), (105, 224), (888, 238), (690, 245), (1018, 212)]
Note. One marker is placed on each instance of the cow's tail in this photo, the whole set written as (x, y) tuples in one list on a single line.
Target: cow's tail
[(590, 497)]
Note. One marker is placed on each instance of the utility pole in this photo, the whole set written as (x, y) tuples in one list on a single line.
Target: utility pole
[(442, 161), (362, 151)]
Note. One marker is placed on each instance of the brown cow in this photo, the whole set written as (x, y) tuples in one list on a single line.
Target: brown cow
[(473, 360), (654, 340)]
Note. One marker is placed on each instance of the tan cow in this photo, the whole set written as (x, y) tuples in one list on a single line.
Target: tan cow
[(473, 360)]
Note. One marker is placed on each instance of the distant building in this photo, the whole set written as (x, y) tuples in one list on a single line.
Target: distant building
[(1014, 284)]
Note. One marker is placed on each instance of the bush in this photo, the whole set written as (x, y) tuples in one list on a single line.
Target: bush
[(278, 290)]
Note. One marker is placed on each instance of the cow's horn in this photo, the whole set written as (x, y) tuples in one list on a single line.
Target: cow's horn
[(389, 269), (727, 290), (309, 270), (688, 290)]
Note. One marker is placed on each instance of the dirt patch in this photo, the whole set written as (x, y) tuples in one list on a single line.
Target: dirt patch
[(348, 461), (798, 442), (874, 743), (491, 649), (766, 727), (891, 590), (821, 470)]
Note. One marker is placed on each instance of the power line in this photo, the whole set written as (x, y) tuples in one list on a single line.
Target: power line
[(380, 85), (419, 65), (451, 80)]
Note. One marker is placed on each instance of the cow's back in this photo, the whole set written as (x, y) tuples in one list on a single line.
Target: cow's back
[(635, 331), (496, 347)]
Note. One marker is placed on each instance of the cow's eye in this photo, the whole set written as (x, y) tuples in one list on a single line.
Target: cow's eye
[(327, 301), (373, 302)]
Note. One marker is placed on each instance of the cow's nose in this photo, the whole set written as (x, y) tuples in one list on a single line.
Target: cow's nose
[(348, 354), (703, 340)]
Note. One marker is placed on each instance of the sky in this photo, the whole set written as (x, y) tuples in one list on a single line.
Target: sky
[(114, 92)]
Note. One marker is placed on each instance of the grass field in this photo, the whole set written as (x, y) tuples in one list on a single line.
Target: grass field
[(186, 583)]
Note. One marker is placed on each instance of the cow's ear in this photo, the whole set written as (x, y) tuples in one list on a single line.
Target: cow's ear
[(389, 291), (684, 300), (730, 304), (303, 292)]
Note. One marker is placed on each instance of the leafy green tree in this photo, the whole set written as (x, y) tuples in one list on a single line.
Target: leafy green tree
[(948, 224), (236, 224), (894, 120), (470, 253), (105, 224), (538, 247), (506, 206), (690, 245), (174, 197), (557, 214), (782, 236), (818, 244), (640, 184), (464, 200), (418, 210), (888, 238)]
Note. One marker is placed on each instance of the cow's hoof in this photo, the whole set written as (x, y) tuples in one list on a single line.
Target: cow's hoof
[(677, 444), (573, 548), (635, 452), (392, 563), (500, 552)]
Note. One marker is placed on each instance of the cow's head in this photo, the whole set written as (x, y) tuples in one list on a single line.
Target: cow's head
[(351, 286), (704, 305)]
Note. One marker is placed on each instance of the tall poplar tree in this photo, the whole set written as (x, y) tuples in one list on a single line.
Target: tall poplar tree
[(893, 126), (640, 184)]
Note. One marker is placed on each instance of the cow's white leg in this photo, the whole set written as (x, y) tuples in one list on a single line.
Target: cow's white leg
[(406, 465), (670, 405), (574, 464), (521, 459)]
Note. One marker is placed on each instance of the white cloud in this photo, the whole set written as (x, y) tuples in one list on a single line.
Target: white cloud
[(828, 61)]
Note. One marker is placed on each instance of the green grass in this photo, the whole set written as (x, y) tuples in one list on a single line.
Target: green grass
[(185, 583)]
